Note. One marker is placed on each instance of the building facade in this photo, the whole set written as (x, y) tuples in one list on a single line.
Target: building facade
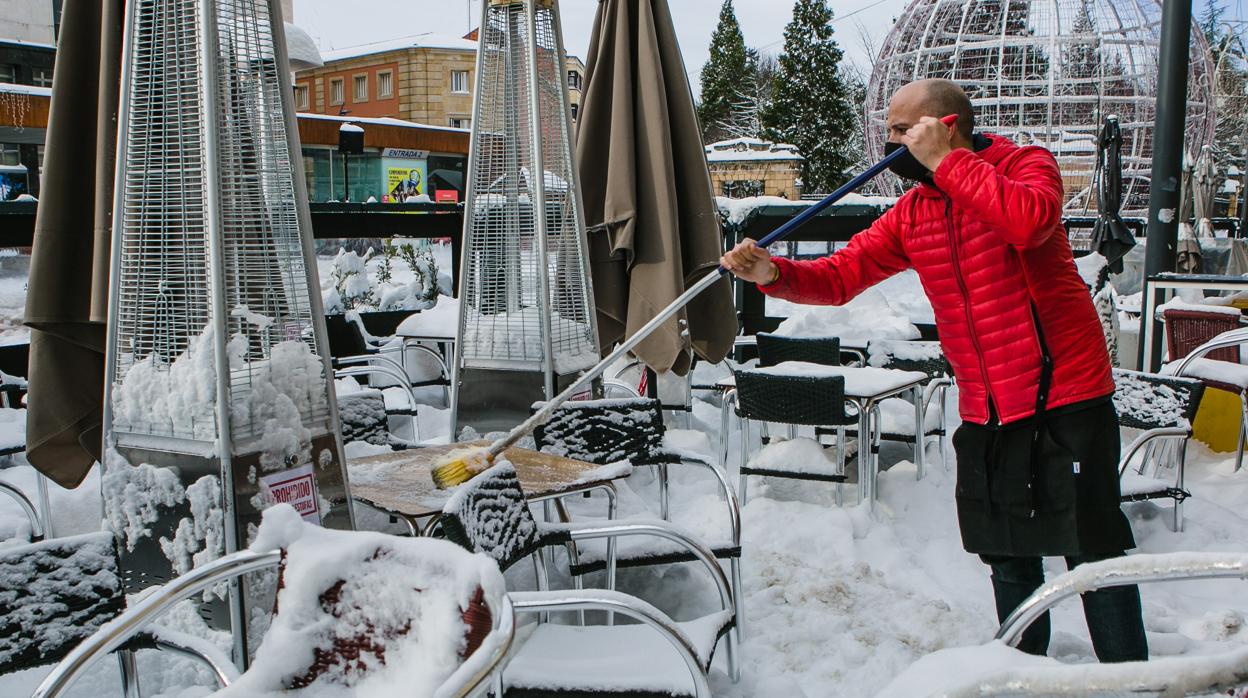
[(427, 80), (744, 167), (25, 85)]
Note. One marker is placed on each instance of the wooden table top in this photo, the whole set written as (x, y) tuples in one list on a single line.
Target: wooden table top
[(400, 482)]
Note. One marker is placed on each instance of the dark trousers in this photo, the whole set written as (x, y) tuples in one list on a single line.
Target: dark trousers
[(1113, 614)]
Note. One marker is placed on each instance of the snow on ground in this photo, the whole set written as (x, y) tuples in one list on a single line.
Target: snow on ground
[(837, 601)]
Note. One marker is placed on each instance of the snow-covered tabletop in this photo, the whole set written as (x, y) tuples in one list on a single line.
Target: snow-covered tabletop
[(439, 322), (860, 382), (1211, 370), (400, 483)]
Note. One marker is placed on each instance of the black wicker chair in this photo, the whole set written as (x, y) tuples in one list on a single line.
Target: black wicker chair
[(490, 514), (609, 431), (799, 400), (1163, 407), (776, 349)]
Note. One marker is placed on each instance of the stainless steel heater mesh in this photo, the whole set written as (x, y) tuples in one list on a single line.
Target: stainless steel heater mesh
[(217, 400), (525, 290)]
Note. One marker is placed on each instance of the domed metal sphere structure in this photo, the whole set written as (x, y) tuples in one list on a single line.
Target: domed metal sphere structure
[(1047, 72)]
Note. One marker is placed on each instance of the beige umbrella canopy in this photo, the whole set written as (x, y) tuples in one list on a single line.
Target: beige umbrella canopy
[(653, 224), (67, 297)]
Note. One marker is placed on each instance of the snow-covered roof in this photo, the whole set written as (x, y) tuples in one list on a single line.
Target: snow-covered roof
[(32, 44), (380, 120), (426, 40), (742, 149), (350, 128), (13, 88)]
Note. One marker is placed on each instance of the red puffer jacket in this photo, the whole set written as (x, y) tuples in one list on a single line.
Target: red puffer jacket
[(987, 242)]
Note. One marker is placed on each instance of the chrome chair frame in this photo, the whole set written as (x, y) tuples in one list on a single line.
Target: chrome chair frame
[(468, 680), (1230, 338)]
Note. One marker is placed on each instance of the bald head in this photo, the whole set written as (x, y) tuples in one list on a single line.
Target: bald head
[(932, 97)]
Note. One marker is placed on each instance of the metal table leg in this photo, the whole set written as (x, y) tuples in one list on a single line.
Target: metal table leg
[(919, 431)]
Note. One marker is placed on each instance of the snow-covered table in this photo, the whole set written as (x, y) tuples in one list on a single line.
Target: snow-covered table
[(865, 388), (437, 325), (400, 483)]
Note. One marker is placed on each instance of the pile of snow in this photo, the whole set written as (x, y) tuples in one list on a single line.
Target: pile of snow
[(1177, 303), (882, 352), (800, 455), (364, 613), (884, 311), (1211, 370), (442, 320), (179, 396)]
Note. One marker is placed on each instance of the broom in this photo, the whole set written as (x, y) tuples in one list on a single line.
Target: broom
[(462, 464)]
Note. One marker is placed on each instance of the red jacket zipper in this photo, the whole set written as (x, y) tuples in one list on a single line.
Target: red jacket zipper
[(966, 297)]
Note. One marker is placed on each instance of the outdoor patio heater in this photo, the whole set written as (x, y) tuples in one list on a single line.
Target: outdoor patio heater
[(526, 316), (217, 398)]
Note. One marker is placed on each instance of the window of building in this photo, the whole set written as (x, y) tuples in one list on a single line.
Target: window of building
[(10, 154), (459, 81), (574, 80), (41, 77), (8, 73), (742, 188), (302, 97), (385, 84), (335, 91), (574, 111), (360, 90), (460, 122)]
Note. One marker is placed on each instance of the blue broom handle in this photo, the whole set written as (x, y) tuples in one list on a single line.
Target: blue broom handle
[(811, 211)]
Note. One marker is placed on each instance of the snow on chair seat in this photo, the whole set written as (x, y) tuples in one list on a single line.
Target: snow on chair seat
[(1163, 407), (489, 514), (1213, 371), (629, 659)]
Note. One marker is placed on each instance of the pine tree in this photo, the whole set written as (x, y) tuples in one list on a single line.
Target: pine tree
[(727, 79), (811, 104)]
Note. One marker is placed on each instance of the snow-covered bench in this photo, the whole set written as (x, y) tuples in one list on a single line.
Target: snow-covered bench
[(1163, 407), (489, 514)]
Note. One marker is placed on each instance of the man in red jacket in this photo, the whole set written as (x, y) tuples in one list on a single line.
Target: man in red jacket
[(1039, 445)]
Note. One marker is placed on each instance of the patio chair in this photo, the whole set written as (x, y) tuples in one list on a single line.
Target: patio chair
[(1196, 675), (799, 400), (351, 345), (346, 604), (358, 411), (1163, 407), (609, 431), (1187, 329), (489, 514), (1230, 376), (776, 349)]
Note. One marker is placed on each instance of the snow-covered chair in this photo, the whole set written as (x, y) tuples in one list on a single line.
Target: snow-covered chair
[(609, 431), (356, 612), (994, 669), (1163, 407), (489, 514), (897, 414), (815, 401), (1228, 375)]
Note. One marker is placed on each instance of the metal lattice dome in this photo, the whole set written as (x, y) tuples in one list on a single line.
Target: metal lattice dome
[(1047, 72)]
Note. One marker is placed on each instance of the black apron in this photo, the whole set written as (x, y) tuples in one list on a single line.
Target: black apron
[(1043, 486)]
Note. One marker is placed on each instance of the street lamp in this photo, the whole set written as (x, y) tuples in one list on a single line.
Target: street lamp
[(350, 141)]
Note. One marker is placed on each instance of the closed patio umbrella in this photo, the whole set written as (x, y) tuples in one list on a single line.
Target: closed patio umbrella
[(1110, 236), (67, 296), (653, 224)]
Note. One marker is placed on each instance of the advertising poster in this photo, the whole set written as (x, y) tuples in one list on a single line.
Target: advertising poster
[(406, 175)]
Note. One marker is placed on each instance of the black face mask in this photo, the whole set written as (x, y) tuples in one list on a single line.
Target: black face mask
[(906, 165)]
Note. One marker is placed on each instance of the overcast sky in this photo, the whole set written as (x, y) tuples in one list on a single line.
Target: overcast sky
[(337, 24)]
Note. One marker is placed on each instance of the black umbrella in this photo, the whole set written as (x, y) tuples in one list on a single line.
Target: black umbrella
[(1110, 236)]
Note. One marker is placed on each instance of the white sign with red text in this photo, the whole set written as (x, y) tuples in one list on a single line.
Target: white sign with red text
[(296, 487)]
